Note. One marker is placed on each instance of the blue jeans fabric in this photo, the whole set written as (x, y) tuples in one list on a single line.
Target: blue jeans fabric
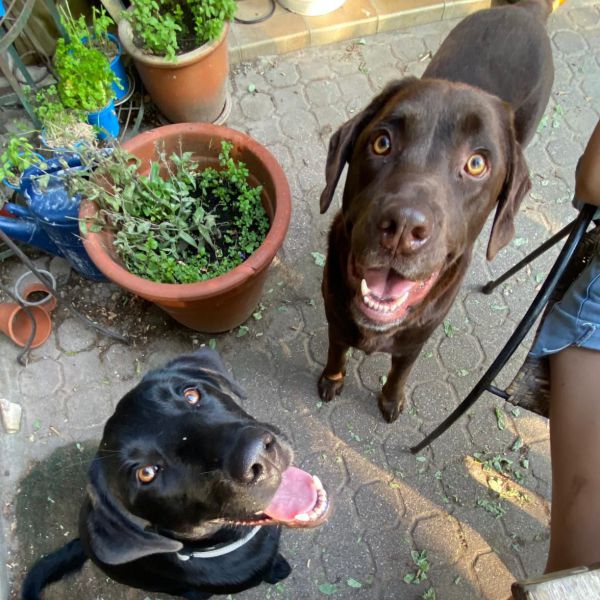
[(575, 320)]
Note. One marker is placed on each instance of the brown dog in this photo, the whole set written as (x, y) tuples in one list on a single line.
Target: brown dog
[(428, 160)]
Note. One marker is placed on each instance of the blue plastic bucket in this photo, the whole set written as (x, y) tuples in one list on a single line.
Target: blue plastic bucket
[(106, 121)]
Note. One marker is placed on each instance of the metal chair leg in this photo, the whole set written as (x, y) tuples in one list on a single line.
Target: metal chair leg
[(578, 229), (490, 286)]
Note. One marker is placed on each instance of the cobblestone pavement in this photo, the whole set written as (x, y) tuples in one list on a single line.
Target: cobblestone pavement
[(389, 505)]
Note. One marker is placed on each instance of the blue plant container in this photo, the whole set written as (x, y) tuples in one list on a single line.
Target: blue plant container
[(106, 121), (118, 68), (50, 221)]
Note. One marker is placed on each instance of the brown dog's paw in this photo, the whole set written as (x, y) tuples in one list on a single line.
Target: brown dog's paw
[(390, 409), (330, 388)]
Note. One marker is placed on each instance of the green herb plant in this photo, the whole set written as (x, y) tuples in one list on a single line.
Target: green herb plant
[(18, 155), (95, 35), (84, 75), (171, 27), (179, 223)]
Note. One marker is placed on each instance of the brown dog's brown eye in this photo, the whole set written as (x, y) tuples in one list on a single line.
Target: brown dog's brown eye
[(147, 474), (191, 396), (382, 144), (476, 165)]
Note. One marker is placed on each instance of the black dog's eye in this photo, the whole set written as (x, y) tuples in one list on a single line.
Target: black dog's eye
[(382, 144), (476, 165), (191, 396), (147, 474)]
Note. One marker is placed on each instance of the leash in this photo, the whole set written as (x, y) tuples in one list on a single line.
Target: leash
[(226, 549)]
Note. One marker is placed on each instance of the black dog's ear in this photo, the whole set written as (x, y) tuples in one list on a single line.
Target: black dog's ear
[(516, 185), (116, 536), (342, 141)]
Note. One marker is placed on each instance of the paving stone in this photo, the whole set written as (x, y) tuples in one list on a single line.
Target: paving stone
[(569, 42), (257, 106), (283, 74), (47, 370), (441, 536), (120, 362), (493, 576), (74, 336)]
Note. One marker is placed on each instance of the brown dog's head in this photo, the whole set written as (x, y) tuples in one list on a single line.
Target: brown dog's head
[(428, 160)]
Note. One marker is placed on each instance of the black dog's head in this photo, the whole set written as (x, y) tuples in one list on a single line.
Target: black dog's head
[(179, 459), (428, 161)]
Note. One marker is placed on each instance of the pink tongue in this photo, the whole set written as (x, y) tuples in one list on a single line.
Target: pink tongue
[(386, 285), (296, 494)]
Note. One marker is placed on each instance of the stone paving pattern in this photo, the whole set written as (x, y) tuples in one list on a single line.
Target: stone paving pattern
[(389, 504)]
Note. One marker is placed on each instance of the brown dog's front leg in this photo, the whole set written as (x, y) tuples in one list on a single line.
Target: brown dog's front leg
[(331, 381), (391, 398)]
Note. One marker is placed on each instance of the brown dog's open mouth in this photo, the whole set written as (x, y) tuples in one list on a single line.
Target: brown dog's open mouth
[(300, 501), (386, 296)]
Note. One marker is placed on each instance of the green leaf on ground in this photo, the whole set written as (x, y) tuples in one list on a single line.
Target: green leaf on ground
[(319, 258), (449, 329), (328, 589), (500, 419), (353, 583)]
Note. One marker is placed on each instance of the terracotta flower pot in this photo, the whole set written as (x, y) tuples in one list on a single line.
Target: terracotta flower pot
[(226, 301), (16, 324), (192, 88)]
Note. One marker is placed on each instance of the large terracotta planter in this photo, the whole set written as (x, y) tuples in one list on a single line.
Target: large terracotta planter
[(224, 302), (192, 88)]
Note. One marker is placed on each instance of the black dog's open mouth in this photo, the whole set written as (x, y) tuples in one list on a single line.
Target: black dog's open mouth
[(386, 296), (300, 501)]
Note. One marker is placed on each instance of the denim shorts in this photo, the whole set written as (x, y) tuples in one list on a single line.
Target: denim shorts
[(575, 320)]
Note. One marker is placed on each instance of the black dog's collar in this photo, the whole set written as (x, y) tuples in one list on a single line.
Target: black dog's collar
[(220, 550)]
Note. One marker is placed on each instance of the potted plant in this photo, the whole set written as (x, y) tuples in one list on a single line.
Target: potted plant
[(85, 83), (63, 130), (97, 36), (180, 52), (192, 224)]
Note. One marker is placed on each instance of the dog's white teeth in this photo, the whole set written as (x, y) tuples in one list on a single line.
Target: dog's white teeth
[(318, 483), (302, 517), (364, 288), (401, 301)]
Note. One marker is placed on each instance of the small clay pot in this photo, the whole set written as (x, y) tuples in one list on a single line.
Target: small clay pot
[(28, 289), (16, 324)]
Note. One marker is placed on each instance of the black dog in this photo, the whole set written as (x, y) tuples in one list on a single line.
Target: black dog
[(428, 160), (187, 491)]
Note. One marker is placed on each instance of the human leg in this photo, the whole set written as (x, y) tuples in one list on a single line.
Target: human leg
[(575, 454)]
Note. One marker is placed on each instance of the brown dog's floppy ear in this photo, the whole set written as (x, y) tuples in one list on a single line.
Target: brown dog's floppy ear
[(342, 141), (116, 536), (516, 185)]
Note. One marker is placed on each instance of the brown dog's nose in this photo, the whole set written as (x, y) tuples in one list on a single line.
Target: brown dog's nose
[(405, 229), (253, 455)]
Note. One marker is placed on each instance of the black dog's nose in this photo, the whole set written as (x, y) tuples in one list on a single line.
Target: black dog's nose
[(405, 229), (253, 455)]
